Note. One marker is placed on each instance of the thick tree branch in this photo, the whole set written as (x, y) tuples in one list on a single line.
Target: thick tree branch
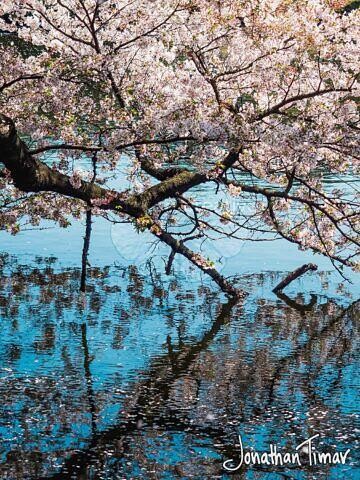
[(294, 275), (32, 175), (177, 246)]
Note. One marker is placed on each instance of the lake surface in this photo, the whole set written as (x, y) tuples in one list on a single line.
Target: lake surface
[(149, 376)]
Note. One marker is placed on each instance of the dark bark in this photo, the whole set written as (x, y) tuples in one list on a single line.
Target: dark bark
[(85, 252), (294, 275), (170, 262), (178, 247), (88, 228), (31, 175)]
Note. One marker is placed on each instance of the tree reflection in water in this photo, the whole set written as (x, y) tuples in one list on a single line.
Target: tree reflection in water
[(142, 378)]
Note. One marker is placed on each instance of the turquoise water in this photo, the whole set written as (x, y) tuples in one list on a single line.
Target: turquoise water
[(150, 376)]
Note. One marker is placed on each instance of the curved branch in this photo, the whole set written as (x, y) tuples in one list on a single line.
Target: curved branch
[(12, 82), (276, 109)]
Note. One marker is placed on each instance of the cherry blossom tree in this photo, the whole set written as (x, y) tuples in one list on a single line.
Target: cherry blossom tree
[(254, 98)]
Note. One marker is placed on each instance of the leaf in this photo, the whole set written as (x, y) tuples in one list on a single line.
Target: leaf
[(243, 99), (293, 112), (329, 82)]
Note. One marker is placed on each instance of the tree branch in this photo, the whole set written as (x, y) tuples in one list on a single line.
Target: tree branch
[(277, 108), (294, 275), (178, 246), (32, 175), (12, 82)]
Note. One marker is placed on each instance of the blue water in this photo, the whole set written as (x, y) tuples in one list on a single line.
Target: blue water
[(154, 377)]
